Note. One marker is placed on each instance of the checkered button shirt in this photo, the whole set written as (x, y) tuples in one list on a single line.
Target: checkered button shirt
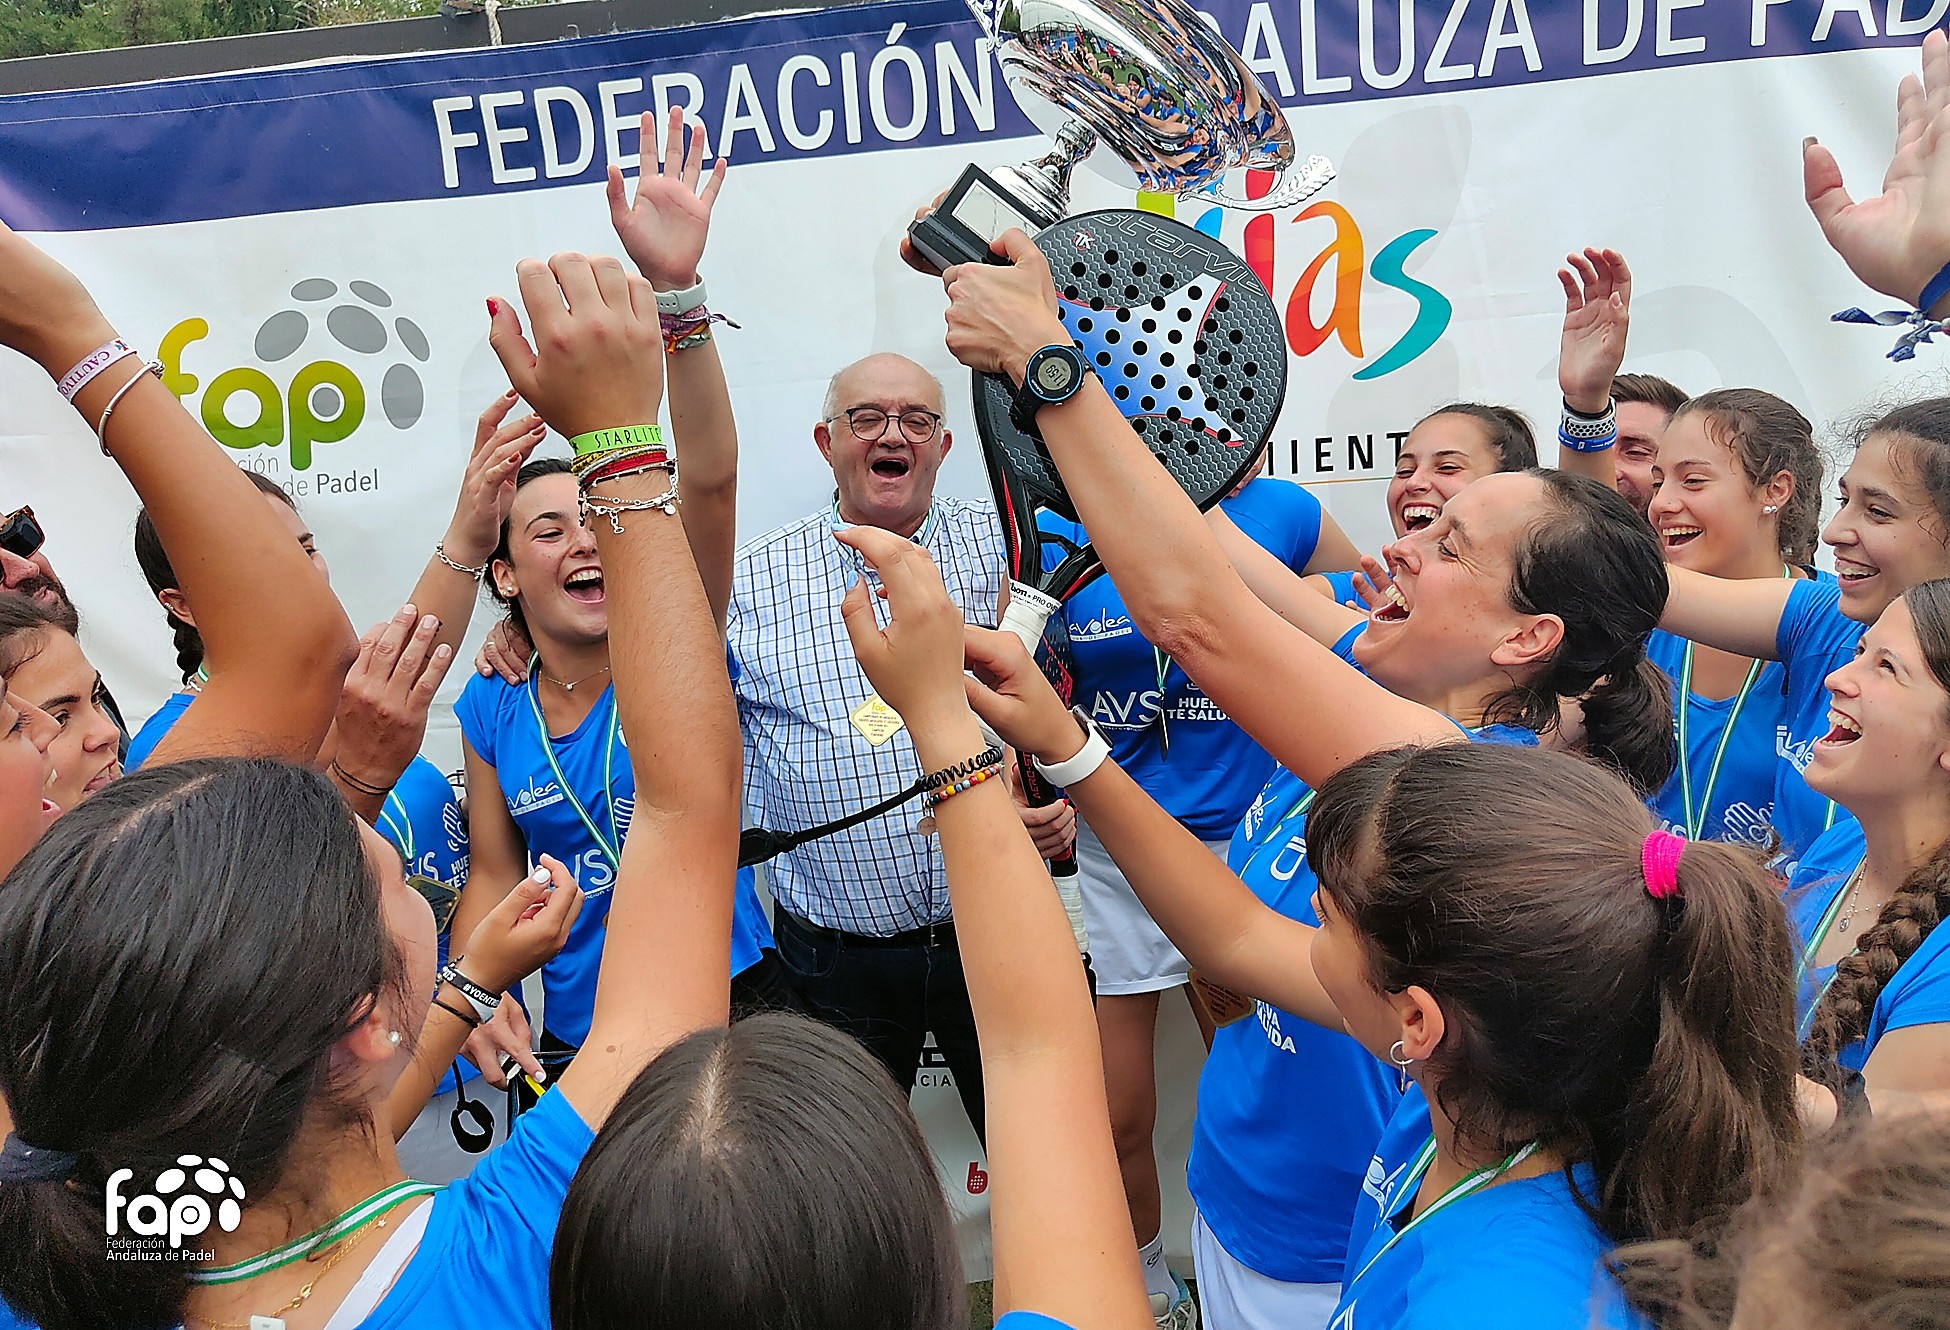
[(806, 763)]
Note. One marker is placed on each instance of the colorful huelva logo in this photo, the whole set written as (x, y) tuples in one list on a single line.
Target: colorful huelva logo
[(1346, 255), (323, 401)]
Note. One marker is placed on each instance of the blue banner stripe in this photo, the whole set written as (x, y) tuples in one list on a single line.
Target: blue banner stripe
[(858, 79)]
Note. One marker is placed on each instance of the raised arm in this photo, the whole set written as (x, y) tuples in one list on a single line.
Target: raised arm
[(663, 229), (1597, 313), (598, 364), (1333, 551), (1207, 912), (1182, 592), (1062, 1229), (276, 643), (1282, 590), (1741, 615)]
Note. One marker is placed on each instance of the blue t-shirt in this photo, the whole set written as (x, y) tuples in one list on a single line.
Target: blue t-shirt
[(1519, 1253), (1344, 592), (153, 729), (493, 1230), (1163, 730), (1813, 640), (1738, 803), (1030, 1321), (500, 722), (1288, 1112), (1917, 994)]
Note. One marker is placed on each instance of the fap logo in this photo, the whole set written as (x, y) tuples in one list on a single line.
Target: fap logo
[(184, 1201), (303, 400)]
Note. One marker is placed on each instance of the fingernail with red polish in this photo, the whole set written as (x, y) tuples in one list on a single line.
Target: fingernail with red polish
[(494, 308)]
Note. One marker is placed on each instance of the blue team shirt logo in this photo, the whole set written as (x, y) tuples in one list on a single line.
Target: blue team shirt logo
[(1127, 711), (455, 826), (1269, 1022), (532, 798), (1102, 628), (1796, 753)]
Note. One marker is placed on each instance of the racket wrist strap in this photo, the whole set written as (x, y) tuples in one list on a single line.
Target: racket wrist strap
[(1082, 763)]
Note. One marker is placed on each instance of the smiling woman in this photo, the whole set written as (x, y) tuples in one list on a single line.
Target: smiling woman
[(56, 677)]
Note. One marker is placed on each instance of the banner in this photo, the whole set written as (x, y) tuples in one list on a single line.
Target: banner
[(307, 250)]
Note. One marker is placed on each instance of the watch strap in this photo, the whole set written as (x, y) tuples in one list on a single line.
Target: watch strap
[(1084, 761), (681, 302)]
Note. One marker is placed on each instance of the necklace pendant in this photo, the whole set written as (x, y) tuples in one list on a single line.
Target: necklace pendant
[(1843, 926), (926, 825), (267, 1323), (570, 687)]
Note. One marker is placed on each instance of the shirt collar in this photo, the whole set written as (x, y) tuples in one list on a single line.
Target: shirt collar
[(923, 537)]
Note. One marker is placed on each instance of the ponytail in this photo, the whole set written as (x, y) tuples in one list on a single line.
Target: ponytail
[(153, 559), (1712, 1118), (1909, 917), (1648, 1035), (1628, 723)]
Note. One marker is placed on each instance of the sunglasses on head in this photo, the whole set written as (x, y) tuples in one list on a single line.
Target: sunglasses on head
[(21, 534)]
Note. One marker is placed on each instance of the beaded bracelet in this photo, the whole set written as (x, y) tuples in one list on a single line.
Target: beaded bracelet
[(592, 467), (949, 775), (935, 798)]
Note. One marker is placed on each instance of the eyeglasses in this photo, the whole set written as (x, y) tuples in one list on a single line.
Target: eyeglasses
[(870, 422), (440, 897), (21, 534)]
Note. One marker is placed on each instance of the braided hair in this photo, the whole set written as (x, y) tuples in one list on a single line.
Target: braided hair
[(154, 560), (1919, 904)]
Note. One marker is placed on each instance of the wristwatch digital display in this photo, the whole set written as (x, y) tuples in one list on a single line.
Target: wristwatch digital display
[(1053, 376)]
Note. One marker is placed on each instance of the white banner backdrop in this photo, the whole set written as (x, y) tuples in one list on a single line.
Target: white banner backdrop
[(308, 251)]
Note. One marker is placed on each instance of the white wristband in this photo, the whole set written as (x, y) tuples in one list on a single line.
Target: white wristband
[(1084, 762), (681, 302), (92, 364)]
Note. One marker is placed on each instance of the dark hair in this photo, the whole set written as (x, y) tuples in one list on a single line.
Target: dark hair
[(1857, 1243), (22, 621), (1509, 434), (1767, 436), (547, 466), (770, 1166), (1918, 905), (1653, 1038), (1595, 564), (178, 956), (1920, 444), (1650, 390), (154, 561)]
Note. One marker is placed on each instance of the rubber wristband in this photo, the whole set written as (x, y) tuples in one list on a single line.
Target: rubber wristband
[(483, 1002), (681, 302), (621, 436), (1084, 762), (92, 364), (1937, 287)]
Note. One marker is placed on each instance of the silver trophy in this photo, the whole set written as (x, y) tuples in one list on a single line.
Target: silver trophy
[(1144, 91)]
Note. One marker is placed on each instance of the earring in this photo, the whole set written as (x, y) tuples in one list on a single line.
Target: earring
[(1771, 509), (393, 1037), (1399, 1056)]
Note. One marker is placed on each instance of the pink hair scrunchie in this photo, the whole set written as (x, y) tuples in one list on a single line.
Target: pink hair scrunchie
[(1659, 859)]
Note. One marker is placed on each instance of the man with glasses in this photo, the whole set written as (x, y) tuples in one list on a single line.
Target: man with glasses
[(25, 571), (862, 916)]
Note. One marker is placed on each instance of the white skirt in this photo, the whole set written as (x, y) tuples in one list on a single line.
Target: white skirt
[(1129, 953), (1232, 1296)]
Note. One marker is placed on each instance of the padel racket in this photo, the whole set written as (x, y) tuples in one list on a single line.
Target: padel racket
[(1190, 347)]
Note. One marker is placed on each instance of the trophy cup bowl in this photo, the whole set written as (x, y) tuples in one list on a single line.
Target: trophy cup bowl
[(1144, 91)]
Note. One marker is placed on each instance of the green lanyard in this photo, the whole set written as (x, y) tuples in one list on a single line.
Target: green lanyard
[(401, 827), (1275, 841), (298, 1248), (1411, 1179), (1164, 731), (613, 845), (1696, 818), (1806, 963)]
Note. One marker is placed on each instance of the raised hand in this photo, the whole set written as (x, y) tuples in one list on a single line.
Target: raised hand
[(487, 487), (1014, 697), (663, 228), (914, 663), (505, 652), (1597, 309), (999, 316), (598, 357), (1900, 239), (382, 715)]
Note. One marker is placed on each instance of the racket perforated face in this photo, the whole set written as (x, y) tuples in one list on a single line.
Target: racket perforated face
[(1184, 337)]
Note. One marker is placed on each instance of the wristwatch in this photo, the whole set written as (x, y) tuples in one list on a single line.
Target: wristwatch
[(1081, 763), (1052, 377)]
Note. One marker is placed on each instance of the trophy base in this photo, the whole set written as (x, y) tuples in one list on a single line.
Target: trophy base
[(976, 211)]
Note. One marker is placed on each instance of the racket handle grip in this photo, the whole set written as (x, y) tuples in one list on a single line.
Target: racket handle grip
[(1027, 613)]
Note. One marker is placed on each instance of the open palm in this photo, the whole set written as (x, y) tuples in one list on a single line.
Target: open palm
[(664, 228), (1898, 240), (1597, 312)]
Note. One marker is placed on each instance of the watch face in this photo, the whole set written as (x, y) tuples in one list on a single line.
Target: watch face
[(1054, 375)]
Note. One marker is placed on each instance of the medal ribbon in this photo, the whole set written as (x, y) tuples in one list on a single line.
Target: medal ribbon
[(1412, 1178), (1696, 820), (613, 845), (401, 827), (298, 1248), (1806, 962)]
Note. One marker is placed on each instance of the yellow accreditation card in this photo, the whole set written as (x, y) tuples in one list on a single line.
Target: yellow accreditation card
[(877, 721)]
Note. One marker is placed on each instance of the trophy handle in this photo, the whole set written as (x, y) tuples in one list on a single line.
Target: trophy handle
[(985, 14), (1299, 183)]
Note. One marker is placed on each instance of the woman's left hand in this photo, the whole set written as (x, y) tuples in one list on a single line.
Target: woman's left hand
[(914, 663), (382, 716), (597, 361), (663, 229), (999, 315)]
